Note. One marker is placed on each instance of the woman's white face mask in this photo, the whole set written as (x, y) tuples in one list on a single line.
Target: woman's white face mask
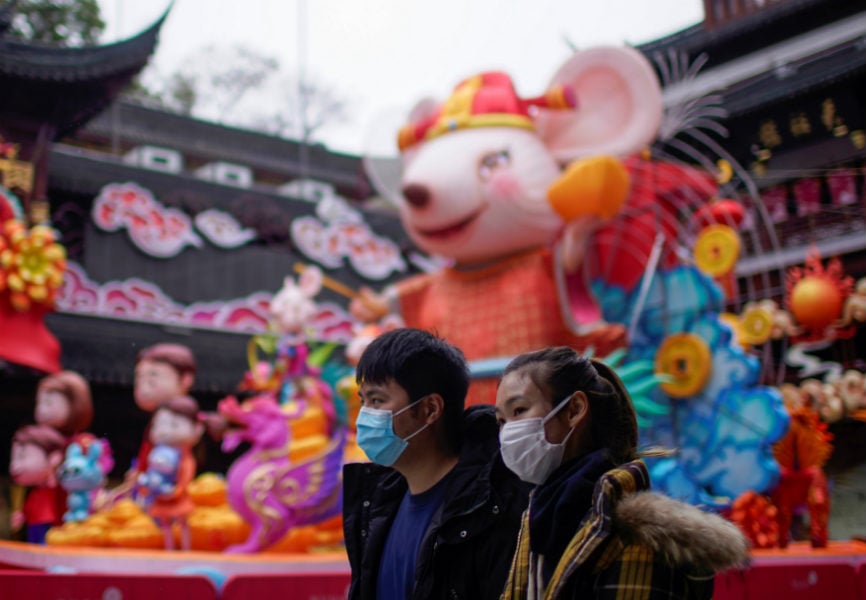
[(525, 449)]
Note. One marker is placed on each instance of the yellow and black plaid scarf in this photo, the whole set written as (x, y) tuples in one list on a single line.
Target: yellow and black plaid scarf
[(621, 481)]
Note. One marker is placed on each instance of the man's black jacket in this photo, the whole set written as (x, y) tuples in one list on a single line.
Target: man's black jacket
[(468, 547)]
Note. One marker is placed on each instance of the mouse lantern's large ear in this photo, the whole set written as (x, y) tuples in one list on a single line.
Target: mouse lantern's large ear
[(619, 105)]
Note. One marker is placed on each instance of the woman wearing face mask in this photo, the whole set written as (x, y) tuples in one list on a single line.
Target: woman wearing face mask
[(593, 529), (436, 513)]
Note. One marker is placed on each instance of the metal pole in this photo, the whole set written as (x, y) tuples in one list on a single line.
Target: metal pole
[(649, 271), (302, 99)]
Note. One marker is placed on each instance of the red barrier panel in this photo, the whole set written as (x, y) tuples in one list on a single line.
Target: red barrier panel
[(33, 585), (730, 585), (806, 581), (308, 586)]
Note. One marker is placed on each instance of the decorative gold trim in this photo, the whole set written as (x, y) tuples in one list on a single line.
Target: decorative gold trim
[(489, 120), (16, 174)]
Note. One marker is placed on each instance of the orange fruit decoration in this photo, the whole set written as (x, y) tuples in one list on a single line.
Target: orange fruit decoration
[(815, 294), (816, 302)]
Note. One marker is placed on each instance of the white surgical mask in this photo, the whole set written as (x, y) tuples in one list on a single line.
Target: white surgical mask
[(525, 449)]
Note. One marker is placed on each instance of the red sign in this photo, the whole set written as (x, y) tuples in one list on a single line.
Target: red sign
[(82, 586), (776, 201), (807, 193), (843, 187), (806, 580), (311, 586)]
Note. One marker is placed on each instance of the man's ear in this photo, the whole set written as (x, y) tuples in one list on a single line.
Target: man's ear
[(433, 407), (578, 409)]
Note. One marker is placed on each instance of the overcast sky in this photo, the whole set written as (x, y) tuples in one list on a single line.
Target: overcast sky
[(384, 55)]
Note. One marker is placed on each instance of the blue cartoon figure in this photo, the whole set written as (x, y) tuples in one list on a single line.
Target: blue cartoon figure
[(161, 474), (79, 475)]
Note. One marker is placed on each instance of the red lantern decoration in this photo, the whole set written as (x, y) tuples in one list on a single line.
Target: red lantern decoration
[(724, 212)]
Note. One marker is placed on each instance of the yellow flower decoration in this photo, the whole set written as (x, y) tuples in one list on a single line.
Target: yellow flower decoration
[(32, 265)]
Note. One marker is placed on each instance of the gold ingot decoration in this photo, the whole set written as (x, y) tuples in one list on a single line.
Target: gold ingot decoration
[(14, 173)]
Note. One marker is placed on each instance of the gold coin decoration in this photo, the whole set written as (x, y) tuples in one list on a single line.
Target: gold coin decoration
[(687, 362), (717, 250), (726, 171), (756, 325)]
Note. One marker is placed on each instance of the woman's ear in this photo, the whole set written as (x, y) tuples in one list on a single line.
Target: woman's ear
[(578, 409)]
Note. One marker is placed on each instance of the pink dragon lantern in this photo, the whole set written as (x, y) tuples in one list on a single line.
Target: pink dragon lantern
[(265, 487), (515, 192)]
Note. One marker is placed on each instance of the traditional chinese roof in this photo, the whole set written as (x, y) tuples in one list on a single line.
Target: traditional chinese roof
[(839, 64), (777, 22), (129, 124), (65, 87), (785, 50)]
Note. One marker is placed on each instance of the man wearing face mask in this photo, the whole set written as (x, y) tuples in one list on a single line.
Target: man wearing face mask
[(593, 529), (435, 514)]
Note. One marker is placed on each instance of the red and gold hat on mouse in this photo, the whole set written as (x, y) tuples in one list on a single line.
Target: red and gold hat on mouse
[(485, 100)]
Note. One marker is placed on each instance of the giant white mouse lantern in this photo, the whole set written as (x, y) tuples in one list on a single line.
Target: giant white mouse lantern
[(511, 190)]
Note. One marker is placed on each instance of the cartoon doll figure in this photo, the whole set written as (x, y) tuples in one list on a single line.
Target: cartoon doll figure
[(63, 401), (80, 474), (161, 476), (176, 424), (37, 452), (162, 372)]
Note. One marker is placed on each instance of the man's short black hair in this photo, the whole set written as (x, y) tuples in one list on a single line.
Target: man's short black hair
[(422, 364)]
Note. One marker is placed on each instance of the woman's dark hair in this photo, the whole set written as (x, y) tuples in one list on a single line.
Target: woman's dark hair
[(561, 371), (422, 364)]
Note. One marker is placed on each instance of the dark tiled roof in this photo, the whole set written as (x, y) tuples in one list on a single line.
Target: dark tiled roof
[(843, 63), (753, 32), (41, 62), (65, 87), (204, 141)]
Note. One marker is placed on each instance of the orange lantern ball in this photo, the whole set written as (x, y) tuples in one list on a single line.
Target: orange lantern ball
[(816, 302)]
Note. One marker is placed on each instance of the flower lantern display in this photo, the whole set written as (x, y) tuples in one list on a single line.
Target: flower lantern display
[(32, 265)]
